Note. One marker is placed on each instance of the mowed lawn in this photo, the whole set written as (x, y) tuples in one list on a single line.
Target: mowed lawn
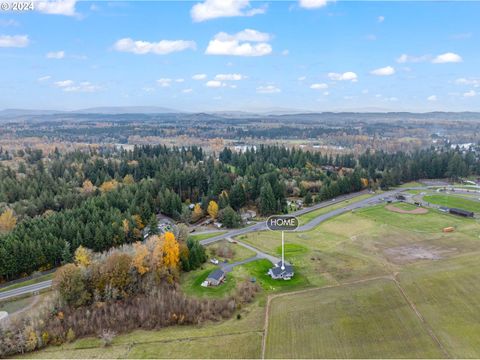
[(368, 320), (447, 294), (453, 202)]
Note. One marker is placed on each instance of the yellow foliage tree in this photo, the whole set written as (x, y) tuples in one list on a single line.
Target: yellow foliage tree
[(126, 227), (171, 251), (88, 187), (364, 182), (83, 256), (128, 180), (7, 221), (109, 185), (212, 209), (140, 258), (138, 221), (197, 212)]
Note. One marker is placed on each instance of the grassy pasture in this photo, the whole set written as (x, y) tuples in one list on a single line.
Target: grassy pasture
[(191, 283), (369, 320), (200, 237), (447, 295), (453, 201)]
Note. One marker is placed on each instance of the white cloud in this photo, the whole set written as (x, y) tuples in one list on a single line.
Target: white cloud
[(268, 89), (470, 93), (302, 78), (381, 19), (57, 7), (385, 71), (326, 93), (365, 91), (55, 55), (312, 4), (229, 77), (432, 98), (199, 76), (63, 83), (162, 47), (320, 86), (212, 9), (404, 58), (285, 52), (346, 76), (215, 84), (180, 80), (44, 78), (16, 41), (72, 86), (164, 82), (468, 81), (244, 43), (186, 91), (447, 58)]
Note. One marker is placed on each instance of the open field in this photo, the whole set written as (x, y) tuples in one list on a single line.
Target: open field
[(404, 208), (411, 184), (239, 252), (16, 305), (447, 295), (368, 320), (453, 202)]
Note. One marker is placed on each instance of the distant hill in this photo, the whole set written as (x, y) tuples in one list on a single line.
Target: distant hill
[(126, 110)]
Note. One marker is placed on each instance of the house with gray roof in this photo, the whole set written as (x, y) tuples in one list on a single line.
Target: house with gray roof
[(278, 273), (215, 278)]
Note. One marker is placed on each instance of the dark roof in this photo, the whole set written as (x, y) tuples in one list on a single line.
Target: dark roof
[(216, 275), (277, 270), (461, 212)]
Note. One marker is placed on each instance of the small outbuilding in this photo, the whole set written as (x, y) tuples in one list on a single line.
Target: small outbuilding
[(461, 212), (215, 278), (278, 273)]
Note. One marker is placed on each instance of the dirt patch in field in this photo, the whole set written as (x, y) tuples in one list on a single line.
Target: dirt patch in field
[(411, 253), (416, 211)]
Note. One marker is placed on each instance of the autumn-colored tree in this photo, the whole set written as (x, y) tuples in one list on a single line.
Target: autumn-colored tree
[(70, 283), (116, 270), (197, 212), (88, 187), (7, 221), (126, 227), (138, 222), (128, 179), (83, 256), (364, 182), (171, 251), (109, 185), (140, 259), (212, 209)]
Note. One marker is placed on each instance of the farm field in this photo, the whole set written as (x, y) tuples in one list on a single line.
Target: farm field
[(368, 320), (453, 201), (238, 252), (453, 314)]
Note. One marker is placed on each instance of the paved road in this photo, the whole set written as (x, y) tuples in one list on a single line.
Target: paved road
[(261, 225), (25, 290)]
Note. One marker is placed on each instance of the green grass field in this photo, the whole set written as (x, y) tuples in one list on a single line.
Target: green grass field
[(454, 202), (239, 252), (369, 320), (191, 283), (447, 295)]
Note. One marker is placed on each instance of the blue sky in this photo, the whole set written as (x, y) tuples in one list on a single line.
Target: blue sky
[(240, 55)]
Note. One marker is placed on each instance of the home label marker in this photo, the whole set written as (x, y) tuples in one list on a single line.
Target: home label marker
[(282, 223)]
